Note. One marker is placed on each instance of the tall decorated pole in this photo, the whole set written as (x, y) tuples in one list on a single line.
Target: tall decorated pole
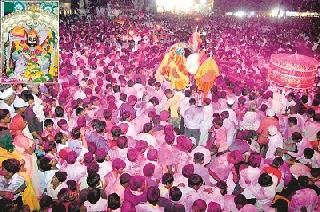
[(195, 40)]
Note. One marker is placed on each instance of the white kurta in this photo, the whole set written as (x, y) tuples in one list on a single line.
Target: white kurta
[(275, 142), (206, 124)]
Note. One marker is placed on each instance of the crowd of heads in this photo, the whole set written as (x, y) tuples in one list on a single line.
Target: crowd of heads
[(113, 136)]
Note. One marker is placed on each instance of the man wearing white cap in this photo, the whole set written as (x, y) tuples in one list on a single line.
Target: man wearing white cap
[(20, 107), (232, 113), (275, 142), (6, 100), (265, 123)]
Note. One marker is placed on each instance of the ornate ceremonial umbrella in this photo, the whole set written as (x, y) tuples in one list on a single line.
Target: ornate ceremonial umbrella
[(292, 71)]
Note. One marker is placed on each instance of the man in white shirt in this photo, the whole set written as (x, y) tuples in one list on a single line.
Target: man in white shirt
[(153, 196), (232, 113), (249, 177), (311, 128), (193, 116), (287, 102), (95, 202), (38, 103), (184, 100), (11, 183), (311, 158), (131, 131), (79, 93), (56, 184), (230, 126), (139, 88), (75, 170), (207, 121), (191, 192), (275, 142), (264, 191)]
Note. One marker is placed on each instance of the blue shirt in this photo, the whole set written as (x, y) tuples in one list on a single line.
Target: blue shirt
[(98, 140), (75, 145)]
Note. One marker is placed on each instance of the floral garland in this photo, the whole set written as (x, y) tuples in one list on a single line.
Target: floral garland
[(53, 70), (33, 71)]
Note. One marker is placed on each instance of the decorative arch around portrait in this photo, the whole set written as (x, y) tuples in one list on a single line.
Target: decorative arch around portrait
[(30, 45)]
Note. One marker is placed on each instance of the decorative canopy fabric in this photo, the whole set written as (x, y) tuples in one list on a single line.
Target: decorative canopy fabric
[(292, 71)]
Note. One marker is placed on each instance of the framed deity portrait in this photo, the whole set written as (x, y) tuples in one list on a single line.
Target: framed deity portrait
[(30, 41)]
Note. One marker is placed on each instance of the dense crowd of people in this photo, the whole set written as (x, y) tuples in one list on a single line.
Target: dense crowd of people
[(115, 136)]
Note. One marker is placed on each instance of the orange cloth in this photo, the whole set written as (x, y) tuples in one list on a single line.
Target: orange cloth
[(163, 68), (272, 170), (178, 75), (263, 128), (18, 31), (173, 68), (315, 144), (277, 197), (28, 196), (206, 75)]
